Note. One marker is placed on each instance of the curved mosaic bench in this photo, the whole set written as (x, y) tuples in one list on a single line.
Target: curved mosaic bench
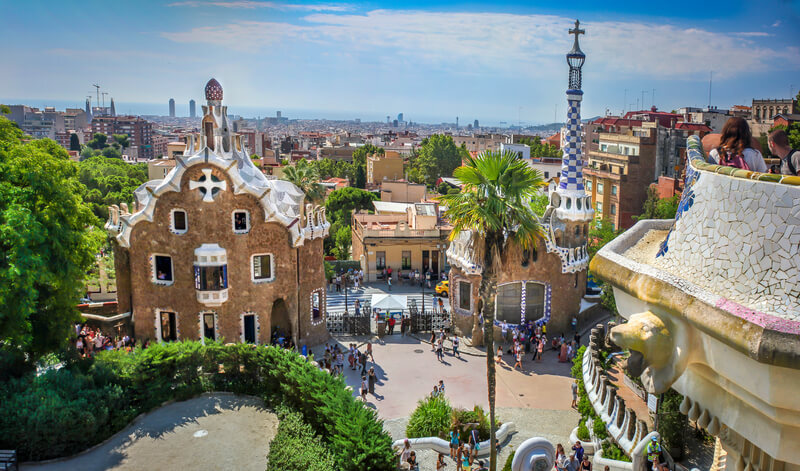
[(443, 446), (712, 302)]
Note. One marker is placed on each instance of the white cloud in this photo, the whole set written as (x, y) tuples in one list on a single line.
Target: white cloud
[(252, 4), (776, 24), (508, 44)]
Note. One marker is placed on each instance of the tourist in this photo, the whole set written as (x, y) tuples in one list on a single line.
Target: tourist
[(371, 380), (389, 282), (433, 341), (391, 325), (499, 358), (653, 452), (459, 455), (441, 387), (435, 392), (504, 331), (351, 359), (735, 148), (562, 356), (412, 461), (440, 349), (574, 394), (570, 352), (519, 359), (539, 349), (474, 445), (574, 324), (561, 458), (339, 361), (454, 442), (364, 388), (466, 456), (481, 466), (455, 346), (578, 449), (586, 465), (778, 143), (369, 351), (440, 464), (362, 360), (441, 305), (357, 305), (405, 454)]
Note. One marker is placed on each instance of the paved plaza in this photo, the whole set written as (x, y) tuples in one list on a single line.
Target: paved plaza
[(537, 399), (209, 432), (336, 300)]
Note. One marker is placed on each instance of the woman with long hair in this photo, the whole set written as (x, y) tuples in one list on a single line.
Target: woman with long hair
[(735, 148), (561, 458)]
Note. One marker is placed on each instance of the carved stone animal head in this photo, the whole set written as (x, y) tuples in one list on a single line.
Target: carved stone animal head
[(659, 347)]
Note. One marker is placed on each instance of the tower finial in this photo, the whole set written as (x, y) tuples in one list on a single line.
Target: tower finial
[(577, 31)]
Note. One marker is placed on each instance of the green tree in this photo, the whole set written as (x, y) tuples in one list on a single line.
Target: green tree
[(109, 181), (360, 154), (601, 233), (658, 208), (342, 240), (539, 150), (4, 109), (342, 202), (45, 242), (74, 142), (438, 157), (494, 205), (360, 181), (122, 140), (305, 177), (99, 141)]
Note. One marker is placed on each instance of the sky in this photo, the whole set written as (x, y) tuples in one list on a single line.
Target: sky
[(498, 62)]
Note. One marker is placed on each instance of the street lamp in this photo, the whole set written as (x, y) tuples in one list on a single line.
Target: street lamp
[(344, 280), (425, 279)]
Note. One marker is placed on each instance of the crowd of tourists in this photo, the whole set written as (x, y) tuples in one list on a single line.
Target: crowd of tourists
[(737, 148), (533, 338), (335, 358), (346, 279), (89, 341)]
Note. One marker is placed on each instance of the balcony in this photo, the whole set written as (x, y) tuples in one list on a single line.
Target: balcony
[(212, 298)]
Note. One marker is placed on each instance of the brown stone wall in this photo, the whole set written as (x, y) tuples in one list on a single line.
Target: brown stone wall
[(212, 223), (565, 296), (122, 267)]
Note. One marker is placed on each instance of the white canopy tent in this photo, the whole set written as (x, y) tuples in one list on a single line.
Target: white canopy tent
[(390, 302)]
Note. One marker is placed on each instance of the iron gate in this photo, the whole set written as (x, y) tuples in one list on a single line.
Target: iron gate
[(343, 323), (429, 321)]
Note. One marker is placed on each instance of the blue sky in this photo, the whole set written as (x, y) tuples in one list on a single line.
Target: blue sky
[(499, 61)]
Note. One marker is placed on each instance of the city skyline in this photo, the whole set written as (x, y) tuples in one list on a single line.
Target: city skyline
[(498, 63)]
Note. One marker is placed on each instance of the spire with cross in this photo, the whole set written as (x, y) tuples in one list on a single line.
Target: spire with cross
[(577, 31)]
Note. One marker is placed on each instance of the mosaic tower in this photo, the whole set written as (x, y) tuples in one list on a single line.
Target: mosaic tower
[(570, 210)]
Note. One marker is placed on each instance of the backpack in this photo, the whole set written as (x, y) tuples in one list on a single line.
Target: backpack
[(789, 161), (732, 160)]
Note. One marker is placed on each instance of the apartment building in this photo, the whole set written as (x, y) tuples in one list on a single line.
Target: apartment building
[(387, 166), (139, 131), (480, 142), (405, 241)]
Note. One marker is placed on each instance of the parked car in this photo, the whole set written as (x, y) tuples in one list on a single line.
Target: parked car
[(443, 288)]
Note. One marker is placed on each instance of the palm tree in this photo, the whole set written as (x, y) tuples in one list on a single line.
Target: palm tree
[(495, 207), (305, 177)]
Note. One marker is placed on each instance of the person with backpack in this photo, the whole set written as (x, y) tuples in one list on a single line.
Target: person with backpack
[(778, 143), (735, 149)]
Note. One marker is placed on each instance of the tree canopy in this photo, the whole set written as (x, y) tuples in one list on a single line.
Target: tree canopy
[(46, 243), (340, 206), (305, 176), (539, 150), (438, 156), (109, 181), (658, 208)]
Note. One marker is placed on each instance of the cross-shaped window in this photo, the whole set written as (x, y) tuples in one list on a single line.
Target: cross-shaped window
[(209, 185)]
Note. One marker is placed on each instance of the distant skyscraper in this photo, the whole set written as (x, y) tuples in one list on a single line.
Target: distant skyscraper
[(388, 119), (113, 111), (400, 117), (475, 124), (171, 107), (278, 114), (456, 122), (192, 110), (88, 110)]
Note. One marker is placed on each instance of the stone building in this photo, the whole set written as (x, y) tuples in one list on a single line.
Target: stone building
[(544, 285), (217, 250)]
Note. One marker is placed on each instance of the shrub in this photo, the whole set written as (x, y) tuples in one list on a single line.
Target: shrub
[(583, 431), (65, 411), (509, 460), (613, 452), (475, 416), (296, 447), (672, 425), (433, 417)]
